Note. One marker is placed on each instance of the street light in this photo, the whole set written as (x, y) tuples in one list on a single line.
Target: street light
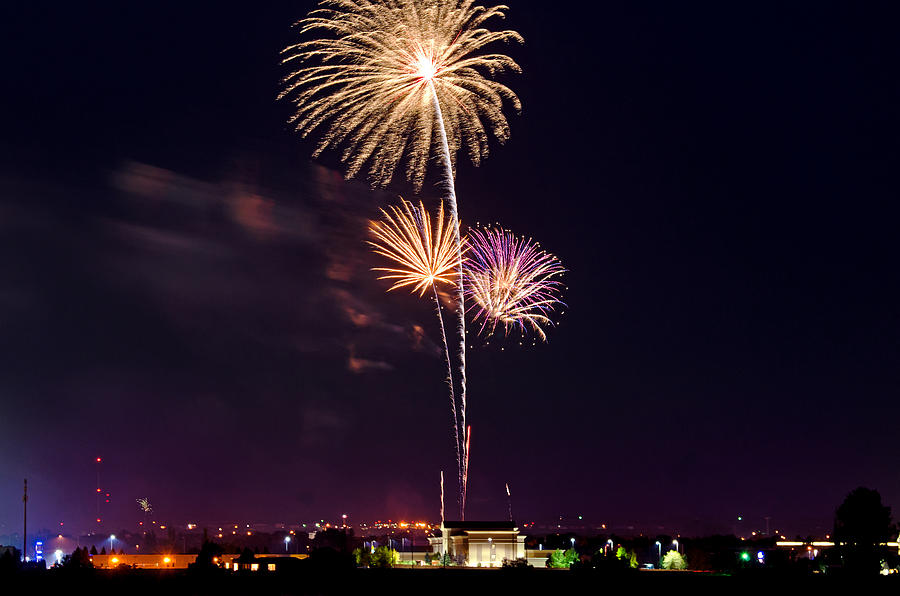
[(572, 540), (287, 539), (111, 538), (675, 544), (659, 554)]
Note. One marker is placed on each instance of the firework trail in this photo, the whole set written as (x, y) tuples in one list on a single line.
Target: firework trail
[(465, 480), (395, 80), (511, 281), (425, 254)]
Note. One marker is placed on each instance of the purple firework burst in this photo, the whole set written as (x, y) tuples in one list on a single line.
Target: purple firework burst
[(511, 281)]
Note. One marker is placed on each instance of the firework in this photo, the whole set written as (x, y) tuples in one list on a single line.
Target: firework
[(373, 80), (511, 281), (395, 79), (425, 254), (144, 504)]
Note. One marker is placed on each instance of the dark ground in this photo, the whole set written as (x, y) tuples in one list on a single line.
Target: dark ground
[(435, 581)]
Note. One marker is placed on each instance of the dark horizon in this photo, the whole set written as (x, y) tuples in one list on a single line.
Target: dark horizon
[(187, 294)]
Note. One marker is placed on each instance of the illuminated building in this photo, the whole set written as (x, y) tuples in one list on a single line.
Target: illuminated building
[(479, 544)]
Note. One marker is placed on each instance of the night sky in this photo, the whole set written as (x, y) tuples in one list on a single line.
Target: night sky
[(185, 293)]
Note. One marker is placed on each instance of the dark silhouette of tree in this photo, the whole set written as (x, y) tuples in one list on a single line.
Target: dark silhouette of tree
[(150, 543), (862, 524), (79, 559), (93, 549), (204, 560), (247, 556), (9, 560), (103, 551)]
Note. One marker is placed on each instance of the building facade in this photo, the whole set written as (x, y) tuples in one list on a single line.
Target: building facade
[(479, 544)]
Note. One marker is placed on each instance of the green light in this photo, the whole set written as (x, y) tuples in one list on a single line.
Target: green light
[(745, 556), (579, 517), (740, 518)]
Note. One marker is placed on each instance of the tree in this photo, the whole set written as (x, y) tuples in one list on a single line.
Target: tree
[(861, 526), (560, 559), (363, 557), (79, 559), (9, 560), (384, 557), (520, 563), (674, 560), (208, 552), (93, 549)]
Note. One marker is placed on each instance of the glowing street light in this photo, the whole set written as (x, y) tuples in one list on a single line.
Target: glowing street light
[(111, 538), (659, 554), (287, 540)]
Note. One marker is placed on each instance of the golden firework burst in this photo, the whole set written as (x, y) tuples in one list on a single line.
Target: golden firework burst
[(425, 252), (385, 77)]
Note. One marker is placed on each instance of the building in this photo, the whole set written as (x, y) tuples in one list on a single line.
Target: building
[(163, 561), (479, 544)]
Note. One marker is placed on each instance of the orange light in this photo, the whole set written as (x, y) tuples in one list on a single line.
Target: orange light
[(115, 560), (167, 560)]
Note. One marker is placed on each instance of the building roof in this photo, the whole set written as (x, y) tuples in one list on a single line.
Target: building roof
[(480, 525)]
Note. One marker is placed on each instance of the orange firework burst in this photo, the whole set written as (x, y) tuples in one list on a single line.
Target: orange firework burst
[(425, 252)]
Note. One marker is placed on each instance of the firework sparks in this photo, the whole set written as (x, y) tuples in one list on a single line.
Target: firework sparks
[(373, 81), (395, 79), (144, 504), (511, 281), (425, 253)]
